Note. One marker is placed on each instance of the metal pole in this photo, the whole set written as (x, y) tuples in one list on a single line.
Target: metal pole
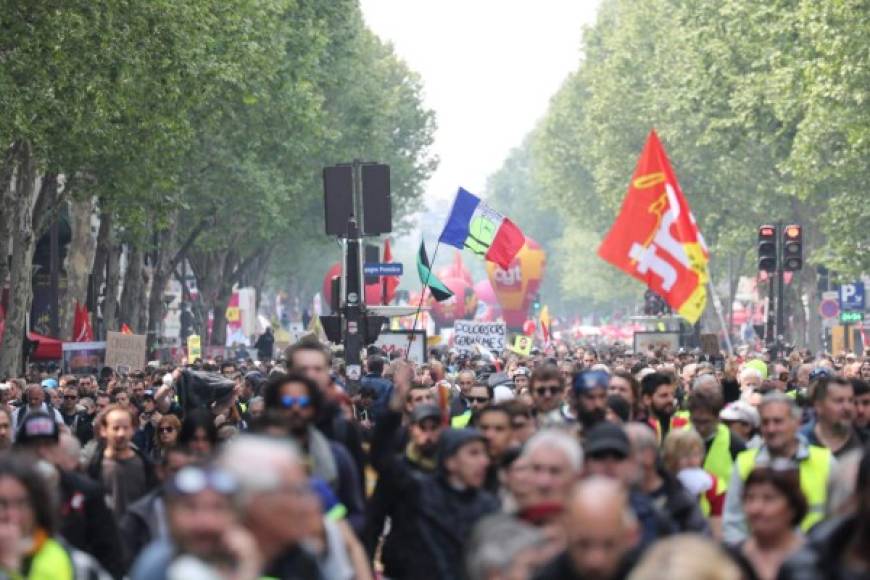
[(353, 309), (780, 283), (717, 306)]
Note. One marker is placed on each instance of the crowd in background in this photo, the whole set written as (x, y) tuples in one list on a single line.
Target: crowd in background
[(572, 462)]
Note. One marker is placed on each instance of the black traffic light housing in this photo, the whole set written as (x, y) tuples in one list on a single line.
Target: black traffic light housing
[(767, 248), (792, 248)]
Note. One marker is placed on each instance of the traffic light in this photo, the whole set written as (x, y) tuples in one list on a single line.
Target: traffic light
[(536, 304), (792, 248), (767, 248)]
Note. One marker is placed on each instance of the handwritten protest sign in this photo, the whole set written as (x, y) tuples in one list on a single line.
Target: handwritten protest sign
[(125, 350), (468, 333)]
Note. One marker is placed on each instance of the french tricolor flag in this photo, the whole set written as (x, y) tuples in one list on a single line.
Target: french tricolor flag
[(474, 225)]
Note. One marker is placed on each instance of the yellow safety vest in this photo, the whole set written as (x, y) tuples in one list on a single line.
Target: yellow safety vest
[(718, 461), (461, 421), (51, 561), (813, 473)]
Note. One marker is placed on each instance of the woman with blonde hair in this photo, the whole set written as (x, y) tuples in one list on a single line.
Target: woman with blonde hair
[(683, 457), (686, 557)]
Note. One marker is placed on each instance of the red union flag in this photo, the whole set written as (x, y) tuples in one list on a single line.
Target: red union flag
[(655, 237)]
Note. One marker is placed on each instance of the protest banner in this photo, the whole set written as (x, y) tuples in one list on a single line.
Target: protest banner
[(391, 341), (522, 345), (710, 344), (125, 350), (468, 333), (83, 358), (194, 347), (646, 341)]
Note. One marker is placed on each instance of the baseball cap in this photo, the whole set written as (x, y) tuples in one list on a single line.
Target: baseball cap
[(522, 372), (38, 427), (49, 383), (741, 411), (423, 412), (607, 438), (588, 380), (758, 365)]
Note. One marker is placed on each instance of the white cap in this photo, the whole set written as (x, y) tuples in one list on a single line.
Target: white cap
[(502, 393), (741, 411)]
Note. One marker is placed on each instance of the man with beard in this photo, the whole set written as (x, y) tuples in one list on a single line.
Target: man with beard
[(494, 423), (834, 404), (657, 392), (590, 398), (419, 456), (297, 401)]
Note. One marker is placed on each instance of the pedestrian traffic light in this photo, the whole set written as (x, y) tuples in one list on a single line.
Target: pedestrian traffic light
[(536, 304), (767, 248), (792, 248)]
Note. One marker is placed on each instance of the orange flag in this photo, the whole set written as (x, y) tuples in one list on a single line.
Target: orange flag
[(655, 238)]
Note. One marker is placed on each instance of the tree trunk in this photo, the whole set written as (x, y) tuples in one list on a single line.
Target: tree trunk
[(132, 291), (79, 261), (162, 267), (21, 275), (7, 171), (113, 278)]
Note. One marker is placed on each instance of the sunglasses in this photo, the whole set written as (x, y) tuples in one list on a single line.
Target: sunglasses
[(166, 430), (192, 480), (302, 402), (70, 397), (478, 399), (544, 391)]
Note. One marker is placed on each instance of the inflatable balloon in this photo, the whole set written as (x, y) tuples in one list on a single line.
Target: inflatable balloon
[(463, 304), (373, 291), (517, 285), (529, 327), (485, 293)]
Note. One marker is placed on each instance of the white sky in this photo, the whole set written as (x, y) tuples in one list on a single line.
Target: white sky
[(489, 68)]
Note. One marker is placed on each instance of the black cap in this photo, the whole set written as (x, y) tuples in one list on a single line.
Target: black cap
[(423, 412), (38, 427), (607, 438), (452, 440)]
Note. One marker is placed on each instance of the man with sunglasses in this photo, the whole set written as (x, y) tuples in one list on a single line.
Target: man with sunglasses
[(297, 401), (207, 540), (79, 422), (548, 387)]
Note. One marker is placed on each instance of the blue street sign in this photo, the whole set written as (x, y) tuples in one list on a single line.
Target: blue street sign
[(852, 296), (390, 269)]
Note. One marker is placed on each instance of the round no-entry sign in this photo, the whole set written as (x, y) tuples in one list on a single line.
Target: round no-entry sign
[(829, 309)]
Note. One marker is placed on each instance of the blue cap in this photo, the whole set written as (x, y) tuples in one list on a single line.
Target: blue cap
[(49, 383), (588, 380)]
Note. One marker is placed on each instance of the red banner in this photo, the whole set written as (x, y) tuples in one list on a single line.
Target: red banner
[(655, 238)]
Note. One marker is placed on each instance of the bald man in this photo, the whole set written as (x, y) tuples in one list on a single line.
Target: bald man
[(601, 531)]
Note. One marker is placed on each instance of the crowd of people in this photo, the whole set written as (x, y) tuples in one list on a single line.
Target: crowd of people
[(574, 462)]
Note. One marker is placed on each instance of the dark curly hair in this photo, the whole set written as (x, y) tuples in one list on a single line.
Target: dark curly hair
[(272, 390)]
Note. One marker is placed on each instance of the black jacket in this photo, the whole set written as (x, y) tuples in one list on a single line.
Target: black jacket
[(87, 523), (679, 504), (821, 558), (561, 568), (95, 467), (434, 520), (332, 423)]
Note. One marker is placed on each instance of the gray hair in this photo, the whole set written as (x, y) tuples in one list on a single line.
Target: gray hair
[(750, 372), (254, 460), (559, 439), (778, 398), (642, 437), (705, 379), (495, 543)]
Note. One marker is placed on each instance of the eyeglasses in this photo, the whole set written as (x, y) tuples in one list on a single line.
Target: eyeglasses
[(302, 402), (166, 430), (544, 391), (478, 400), (191, 480)]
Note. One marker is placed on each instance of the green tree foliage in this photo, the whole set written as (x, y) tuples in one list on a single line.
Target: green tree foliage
[(763, 108)]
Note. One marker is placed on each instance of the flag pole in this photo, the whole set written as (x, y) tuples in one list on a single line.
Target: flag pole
[(717, 306), (422, 296)]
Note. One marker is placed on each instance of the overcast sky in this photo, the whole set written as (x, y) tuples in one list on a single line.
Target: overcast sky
[(489, 68)]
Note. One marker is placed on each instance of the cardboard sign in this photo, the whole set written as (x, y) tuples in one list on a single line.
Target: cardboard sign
[(125, 350), (468, 333), (710, 344), (194, 347), (522, 345), (391, 341)]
